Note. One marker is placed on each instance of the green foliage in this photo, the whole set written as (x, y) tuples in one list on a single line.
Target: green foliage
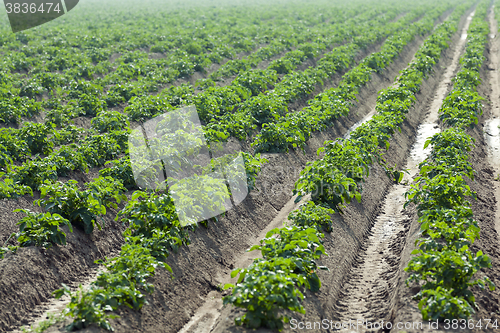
[(271, 283), (272, 289), (449, 274), (69, 134), (80, 88), (253, 165), (358, 76), (90, 104), (31, 89), (68, 159), (461, 108), (12, 109), (108, 190), (37, 137), (276, 138), (301, 244), (16, 148), (265, 108), (153, 212), (265, 286), (467, 80), (257, 81), (110, 120), (41, 229), (81, 208), (199, 196), (51, 81), (85, 308), (217, 101), (121, 283), (293, 130), (11, 189), (312, 215), (34, 172), (120, 170), (98, 149), (127, 274), (444, 263), (448, 150), (83, 88), (335, 179), (61, 115), (326, 184), (145, 107), (282, 66), (5, 159), (179, 95)]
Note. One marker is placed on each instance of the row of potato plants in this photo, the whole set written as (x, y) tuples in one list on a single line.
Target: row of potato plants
[(274, 283), (294, 129), (32, 138), (79, 306), (35, 138), (67, 205), (289, 62), (153, 232), (269, 101), (444, 265), (337, 178), (94, 150), (215, 104), (39, 139), (109, 130), (135, 74)]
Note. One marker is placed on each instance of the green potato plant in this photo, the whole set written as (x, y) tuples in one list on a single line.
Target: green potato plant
[(41, 229)]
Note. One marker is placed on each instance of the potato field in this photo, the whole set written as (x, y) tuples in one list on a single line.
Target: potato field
[(251, 166)]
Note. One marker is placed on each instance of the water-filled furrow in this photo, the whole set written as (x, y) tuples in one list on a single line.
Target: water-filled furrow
[(367, 291)]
